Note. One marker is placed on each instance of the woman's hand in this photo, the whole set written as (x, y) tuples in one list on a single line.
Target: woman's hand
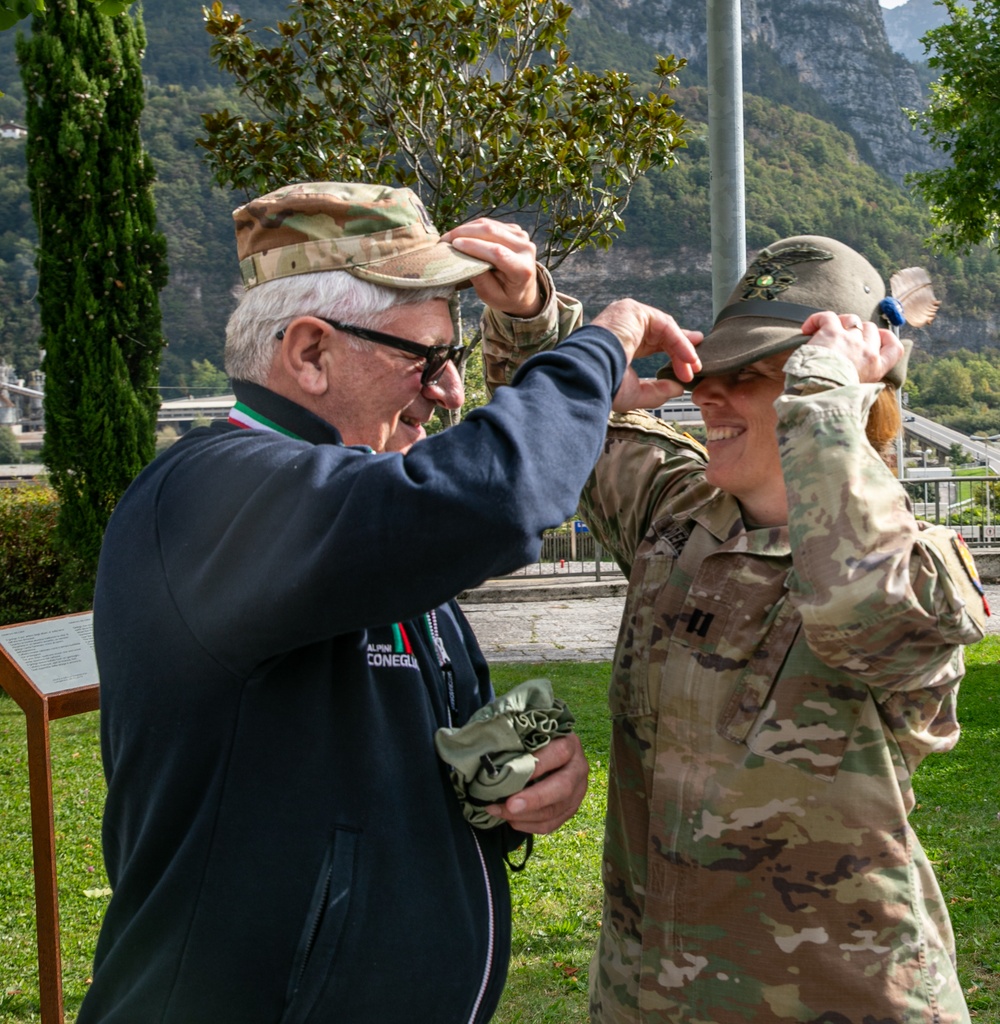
[(872, 349)]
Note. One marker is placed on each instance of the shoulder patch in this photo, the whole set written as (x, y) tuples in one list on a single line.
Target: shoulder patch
[(647, 423), (952, 548), (969, 564)]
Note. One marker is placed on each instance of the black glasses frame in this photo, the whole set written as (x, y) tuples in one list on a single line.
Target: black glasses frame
[(436, 357)]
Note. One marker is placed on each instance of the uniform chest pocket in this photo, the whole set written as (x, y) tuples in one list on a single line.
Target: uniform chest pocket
[(648, 619), (787, 706)]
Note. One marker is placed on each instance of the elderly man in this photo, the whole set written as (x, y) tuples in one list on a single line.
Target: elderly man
[(278, 643)]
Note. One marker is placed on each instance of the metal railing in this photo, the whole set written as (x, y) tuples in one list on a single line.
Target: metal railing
[(571, 550), (968, 504)]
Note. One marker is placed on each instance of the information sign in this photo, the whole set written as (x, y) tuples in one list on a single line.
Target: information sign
[(49, 668)]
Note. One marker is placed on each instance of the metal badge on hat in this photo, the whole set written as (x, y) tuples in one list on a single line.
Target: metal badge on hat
[(769, 275)]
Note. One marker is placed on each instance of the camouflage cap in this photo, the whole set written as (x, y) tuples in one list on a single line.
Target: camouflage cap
[(787, 282), (379, 234)]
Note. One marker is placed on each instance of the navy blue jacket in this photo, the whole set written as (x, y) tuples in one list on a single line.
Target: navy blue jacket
[(283, 843)]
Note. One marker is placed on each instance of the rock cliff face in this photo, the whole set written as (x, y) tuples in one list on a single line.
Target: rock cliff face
[(837, 47), (907, 23)]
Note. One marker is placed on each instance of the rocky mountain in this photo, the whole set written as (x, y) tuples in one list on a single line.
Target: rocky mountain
[(838, 49), (904, 25), (827, 149)]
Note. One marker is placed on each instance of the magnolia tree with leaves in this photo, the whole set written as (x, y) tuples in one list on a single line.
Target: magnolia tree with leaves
[(12, 11), (101, 261), (474, 104), (962, 120)]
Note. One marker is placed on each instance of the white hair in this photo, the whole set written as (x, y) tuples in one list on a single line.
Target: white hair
[(251, 334)]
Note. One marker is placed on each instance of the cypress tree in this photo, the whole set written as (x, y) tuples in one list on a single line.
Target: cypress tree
[(101, 261)]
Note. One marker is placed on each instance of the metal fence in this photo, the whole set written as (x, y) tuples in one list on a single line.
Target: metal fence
[(968, 504), (571, 550)]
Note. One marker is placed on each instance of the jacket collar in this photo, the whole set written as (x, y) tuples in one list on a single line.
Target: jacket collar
[(720, 514), (260, 408)]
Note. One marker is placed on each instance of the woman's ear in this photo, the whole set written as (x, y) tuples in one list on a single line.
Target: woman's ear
[(307, 354)]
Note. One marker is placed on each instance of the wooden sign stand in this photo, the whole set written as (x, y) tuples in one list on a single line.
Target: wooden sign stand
[(48, 667)]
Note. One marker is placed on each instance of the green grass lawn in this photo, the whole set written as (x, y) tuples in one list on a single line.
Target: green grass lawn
[(556, 900)]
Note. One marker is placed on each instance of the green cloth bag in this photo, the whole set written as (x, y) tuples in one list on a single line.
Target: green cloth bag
[(491, 756)]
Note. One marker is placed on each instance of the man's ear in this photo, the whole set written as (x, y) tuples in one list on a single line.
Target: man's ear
[(307, 354)]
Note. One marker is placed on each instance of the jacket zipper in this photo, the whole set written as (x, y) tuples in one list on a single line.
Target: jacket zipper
[(448, 677), (314, 930), (488, 970)]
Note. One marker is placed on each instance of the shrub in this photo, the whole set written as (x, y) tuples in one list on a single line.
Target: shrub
[(10, 450), (165, 437), (37, 580)]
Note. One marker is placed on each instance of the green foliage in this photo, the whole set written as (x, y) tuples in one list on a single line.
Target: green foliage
[(960, 390), (19, 325), (165, 437), (803, 174), (962, 121), (101, 261), (207, 380), (475, 104), (12, 11), (178, 51), (37, 578), (475, 381), (10, 450), (196, 217)]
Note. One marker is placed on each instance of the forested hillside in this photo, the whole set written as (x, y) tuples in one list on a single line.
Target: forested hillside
[(805, 173)]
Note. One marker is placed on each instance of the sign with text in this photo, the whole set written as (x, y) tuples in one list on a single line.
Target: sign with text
[(50, 669), (54, 655)]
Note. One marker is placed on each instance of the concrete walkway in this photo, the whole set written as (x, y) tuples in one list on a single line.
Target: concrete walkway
[(571, 629), (557, 620)]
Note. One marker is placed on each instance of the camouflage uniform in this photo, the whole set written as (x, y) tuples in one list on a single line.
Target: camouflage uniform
[(769, 709)]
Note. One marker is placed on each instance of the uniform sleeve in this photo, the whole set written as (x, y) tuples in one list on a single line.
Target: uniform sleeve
[(880, 594), (644, 459), (508, 341)]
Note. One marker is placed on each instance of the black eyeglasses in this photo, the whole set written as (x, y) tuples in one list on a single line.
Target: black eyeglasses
[(436, 356)]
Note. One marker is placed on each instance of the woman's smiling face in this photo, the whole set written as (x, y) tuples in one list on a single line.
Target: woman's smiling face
[(740, 421)]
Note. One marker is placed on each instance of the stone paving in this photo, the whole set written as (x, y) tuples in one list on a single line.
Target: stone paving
[(570, 628)]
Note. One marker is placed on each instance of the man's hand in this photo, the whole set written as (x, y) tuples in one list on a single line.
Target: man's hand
[(645, 331), (512, 285), (558, 786), (872, 349)]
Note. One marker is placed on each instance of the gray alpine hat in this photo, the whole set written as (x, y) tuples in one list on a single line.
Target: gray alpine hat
[(787, 282)]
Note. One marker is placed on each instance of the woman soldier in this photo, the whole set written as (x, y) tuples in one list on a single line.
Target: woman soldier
[(790, 650)]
